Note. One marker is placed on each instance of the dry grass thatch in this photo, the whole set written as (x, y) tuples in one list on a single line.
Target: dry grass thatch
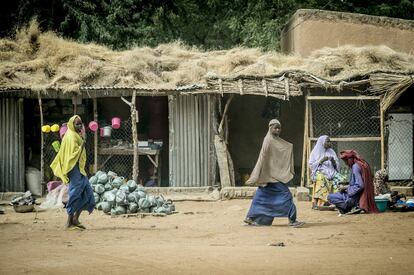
[(41, 61)]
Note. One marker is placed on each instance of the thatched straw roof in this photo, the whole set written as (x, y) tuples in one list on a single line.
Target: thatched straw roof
[(40, 61)]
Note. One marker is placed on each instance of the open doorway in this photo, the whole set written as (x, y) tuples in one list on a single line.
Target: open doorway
[(248, 119)]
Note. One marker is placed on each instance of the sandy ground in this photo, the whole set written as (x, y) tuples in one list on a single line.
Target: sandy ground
[(207, 238)]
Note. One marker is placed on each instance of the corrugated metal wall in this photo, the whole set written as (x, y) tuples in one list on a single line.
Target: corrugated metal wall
[(12, 170), (189, 141)]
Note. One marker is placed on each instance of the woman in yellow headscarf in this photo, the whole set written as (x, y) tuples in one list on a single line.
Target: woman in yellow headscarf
[(69, 166)]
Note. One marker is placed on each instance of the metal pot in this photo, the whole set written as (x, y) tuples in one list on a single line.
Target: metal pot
[(106, 131)]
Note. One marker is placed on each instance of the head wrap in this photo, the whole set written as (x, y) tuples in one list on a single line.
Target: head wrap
[(273, 122), (275, 162), (318, 153), (71, 151)]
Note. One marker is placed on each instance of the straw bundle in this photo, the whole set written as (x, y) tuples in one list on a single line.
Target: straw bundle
[(40, 61)]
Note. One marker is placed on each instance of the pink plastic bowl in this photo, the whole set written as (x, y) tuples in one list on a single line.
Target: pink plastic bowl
[(93, 125)]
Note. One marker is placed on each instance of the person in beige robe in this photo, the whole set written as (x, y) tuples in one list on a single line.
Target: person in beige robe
[(273, 171)]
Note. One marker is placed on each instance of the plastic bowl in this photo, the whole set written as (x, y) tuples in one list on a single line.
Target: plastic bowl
[(381, 204)]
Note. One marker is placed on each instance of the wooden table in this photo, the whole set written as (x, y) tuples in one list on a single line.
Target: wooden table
[(152, 154)]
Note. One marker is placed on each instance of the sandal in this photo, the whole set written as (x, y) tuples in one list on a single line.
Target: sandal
[(75, 227), (80, 226), (297, 224), (251, 222)]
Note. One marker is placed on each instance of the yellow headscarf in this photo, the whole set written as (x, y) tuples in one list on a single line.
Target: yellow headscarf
[(71, 150)]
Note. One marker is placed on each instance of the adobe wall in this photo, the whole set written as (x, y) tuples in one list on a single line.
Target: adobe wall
[(309, 30)]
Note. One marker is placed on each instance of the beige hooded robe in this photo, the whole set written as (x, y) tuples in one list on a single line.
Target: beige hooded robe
[(275, 162)]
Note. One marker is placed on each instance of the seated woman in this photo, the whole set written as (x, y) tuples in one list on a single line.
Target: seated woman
[(359, 195), (325, 174)]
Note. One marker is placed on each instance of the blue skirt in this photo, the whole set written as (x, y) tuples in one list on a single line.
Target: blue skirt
[(273, 200), (80, 193)]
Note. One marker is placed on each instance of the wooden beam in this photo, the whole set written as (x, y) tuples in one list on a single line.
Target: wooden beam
[(75, 104), (305, 141), (42, 154), (382, 137), (135, 167), (240, 82), (220, 128), (287, 88), (264, 83), (351, 139), (95, 136), (344, 97)]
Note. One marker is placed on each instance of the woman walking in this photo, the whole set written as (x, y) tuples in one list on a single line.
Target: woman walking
[(69, 166), (274, 169)]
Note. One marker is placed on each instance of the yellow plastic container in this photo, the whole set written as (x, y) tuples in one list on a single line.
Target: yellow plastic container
[(46, 128), (55, 128), (56, 145)]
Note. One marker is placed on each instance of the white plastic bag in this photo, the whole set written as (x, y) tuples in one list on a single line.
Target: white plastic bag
[(56, 198), (33, 181)]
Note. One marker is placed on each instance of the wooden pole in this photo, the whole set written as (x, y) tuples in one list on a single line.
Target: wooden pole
[(223, 156), (382, 137), (213, 126), (305, 142), (42, 169), (134, 115), (343, 97), (308, 150), (95, 136), (220, 129), (75, 104), (310, 118)]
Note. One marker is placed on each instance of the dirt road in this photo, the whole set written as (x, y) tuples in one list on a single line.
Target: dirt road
[(207, 238)]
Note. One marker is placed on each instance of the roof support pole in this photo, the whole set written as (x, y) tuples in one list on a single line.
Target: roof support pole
[(95, 136), (42, 162), (134, 119), (305, 143)]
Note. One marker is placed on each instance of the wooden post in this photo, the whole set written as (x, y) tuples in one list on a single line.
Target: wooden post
[(95, 136), (134, 115), (220, 128), (42, 169), (305, 141), (382, 137), (75, 104), (212, 126), (310, 131), (223, 156), (308, 150)]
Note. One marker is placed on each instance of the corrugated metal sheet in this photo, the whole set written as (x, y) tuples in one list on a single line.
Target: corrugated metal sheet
[(11, 145), (189, 141)]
